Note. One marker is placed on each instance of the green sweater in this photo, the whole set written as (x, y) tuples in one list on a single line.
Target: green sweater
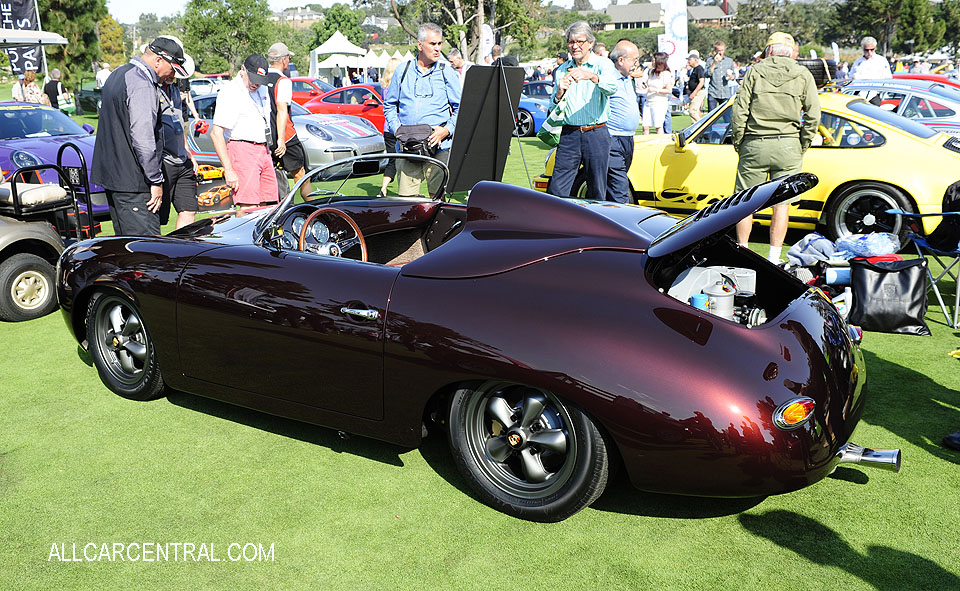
[(770, 101)]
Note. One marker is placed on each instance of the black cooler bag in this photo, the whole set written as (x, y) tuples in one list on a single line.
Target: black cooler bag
[(889, 296)]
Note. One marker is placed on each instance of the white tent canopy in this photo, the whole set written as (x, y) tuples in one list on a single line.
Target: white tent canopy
[(337, 44), (407, 56), (17, 38), (396, 55)]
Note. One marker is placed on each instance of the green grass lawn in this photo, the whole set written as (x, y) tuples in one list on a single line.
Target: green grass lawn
[(80, 465)]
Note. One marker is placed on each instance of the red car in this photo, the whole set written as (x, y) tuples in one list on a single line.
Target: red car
[(575, 347), (306, 88), (948, 80), (361, 100)]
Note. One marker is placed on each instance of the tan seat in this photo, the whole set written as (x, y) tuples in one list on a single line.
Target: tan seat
[(32, 194)]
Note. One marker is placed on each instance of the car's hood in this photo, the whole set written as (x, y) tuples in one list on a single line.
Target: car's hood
[(346, 126), (724, 214), (46, 146)]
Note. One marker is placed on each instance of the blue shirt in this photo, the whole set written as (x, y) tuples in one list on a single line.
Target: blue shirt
[(431, 98), (624, 109), (587, 103)]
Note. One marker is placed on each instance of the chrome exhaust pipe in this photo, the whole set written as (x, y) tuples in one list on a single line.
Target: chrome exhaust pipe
[(885, 459)]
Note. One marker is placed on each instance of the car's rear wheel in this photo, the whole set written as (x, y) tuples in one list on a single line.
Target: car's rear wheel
[(579, 190), (524, 123), (27, 282), (122, 349), (526, 452), (861, 208)]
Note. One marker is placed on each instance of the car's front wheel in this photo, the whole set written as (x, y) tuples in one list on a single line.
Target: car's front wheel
[(524, 123), (861, 208), (27, 284), (526, 452), (122, 349)]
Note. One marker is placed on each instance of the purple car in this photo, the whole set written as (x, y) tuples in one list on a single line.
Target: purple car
[(32, 134)]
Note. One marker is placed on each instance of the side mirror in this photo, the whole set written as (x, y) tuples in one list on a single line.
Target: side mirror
[(88, 128), (679, 141), (371, 103), (313, 93)]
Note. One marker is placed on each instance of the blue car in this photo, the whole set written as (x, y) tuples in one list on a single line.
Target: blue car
[(32, 134), (531, 115)]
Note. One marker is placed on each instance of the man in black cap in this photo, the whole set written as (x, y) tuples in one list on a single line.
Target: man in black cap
[(127, 156), (242, 126)]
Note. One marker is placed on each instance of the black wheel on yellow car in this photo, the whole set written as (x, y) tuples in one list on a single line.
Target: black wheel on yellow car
[(861, 208), (579, 190)]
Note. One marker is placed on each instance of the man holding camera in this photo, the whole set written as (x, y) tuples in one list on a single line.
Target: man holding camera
[(717, 69), (420, 108)]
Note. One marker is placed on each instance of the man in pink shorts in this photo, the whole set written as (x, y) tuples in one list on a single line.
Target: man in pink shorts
[(241, 130)]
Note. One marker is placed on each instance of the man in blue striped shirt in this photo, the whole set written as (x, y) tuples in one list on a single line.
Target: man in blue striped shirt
[(585, 82), (623, 122)]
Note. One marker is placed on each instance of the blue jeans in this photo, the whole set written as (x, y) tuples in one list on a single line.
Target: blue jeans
[(621, 155), (589, 148)]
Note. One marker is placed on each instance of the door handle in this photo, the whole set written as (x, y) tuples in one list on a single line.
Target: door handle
[(360, 313)]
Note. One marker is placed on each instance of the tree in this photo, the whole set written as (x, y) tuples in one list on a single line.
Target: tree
[(755, 21), (112, 48), (948, 13), (222, 33), (917, 30), (77, 21), (579, 5), (340, 17), (894, 23)]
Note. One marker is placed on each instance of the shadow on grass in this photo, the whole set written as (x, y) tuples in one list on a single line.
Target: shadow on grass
[(436, 453), (84, 356), (881, 567), (911, 405), (360, 446), (622, 497)]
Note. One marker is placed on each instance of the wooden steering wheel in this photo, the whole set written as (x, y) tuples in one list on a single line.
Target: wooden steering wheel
[(342, 245)]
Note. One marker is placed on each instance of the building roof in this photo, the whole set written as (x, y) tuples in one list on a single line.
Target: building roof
[(705, 13), (632, 13)]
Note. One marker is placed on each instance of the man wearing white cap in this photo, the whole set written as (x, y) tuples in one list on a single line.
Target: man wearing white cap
[(128, 154), (102, 74), (774, 119), (179, 166), (286, 149), (695, 86)]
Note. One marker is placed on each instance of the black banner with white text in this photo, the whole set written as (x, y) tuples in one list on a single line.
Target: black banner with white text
[(21, 15)]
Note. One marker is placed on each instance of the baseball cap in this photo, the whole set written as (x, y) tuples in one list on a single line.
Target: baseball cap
[(780, 38), (279, 49), (563, 54), (171, 51), (256, 67), (189, 67), (694, 53)]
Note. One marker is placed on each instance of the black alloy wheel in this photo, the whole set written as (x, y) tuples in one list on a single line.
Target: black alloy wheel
[(861, 208), (524, 123), (122, 349), (526, 452)]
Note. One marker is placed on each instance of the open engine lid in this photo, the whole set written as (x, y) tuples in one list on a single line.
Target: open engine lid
[(724, 214)]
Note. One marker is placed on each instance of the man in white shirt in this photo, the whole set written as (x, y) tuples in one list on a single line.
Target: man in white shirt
[(18, 89), (102, 74), (241, 132), (288, 154), (459, 64), (871, 66)]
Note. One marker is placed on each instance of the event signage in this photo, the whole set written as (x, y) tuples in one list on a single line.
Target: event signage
[(22, 15), (674, 39)]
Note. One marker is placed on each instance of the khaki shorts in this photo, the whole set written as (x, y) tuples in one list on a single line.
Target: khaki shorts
[(765, 158)]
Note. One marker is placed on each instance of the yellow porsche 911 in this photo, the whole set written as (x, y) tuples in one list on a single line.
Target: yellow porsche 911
[(868, 160)]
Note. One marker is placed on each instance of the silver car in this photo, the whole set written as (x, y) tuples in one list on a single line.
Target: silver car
[(325, 138), (931, 103)]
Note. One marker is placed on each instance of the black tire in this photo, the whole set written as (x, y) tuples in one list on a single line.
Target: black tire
[(823, 70), (525, 123), (579, 190), (860, 208), (525, 452), (28, 284), (122, 349)]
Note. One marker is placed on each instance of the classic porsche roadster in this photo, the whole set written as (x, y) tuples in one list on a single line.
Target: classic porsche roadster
[(552, 339)]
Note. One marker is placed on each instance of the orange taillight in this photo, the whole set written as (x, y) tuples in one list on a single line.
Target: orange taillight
[(794, 413)]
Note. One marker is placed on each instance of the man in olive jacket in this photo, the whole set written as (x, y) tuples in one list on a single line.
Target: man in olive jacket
[(774, 120)]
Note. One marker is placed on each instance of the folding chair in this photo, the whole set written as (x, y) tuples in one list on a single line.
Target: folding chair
[(944, 242)]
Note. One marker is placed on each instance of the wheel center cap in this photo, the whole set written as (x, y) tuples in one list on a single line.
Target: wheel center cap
[(869, 219), (515, 439), (115, 342)]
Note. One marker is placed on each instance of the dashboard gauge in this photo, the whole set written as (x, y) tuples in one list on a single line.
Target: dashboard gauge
[(298, 224), (320, 232)]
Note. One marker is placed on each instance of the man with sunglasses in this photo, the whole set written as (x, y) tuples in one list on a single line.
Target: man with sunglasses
[(871, 66), (128, 154), (585, 83)]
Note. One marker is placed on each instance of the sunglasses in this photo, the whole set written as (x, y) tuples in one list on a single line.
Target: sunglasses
[(173, 60)]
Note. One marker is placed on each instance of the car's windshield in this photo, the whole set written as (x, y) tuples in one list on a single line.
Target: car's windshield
[(902, 123), (22, 121)]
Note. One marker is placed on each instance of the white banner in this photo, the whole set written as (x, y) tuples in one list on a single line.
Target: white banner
[(674, 41)]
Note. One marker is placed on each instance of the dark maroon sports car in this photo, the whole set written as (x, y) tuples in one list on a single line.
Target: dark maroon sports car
[(552, 339)]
